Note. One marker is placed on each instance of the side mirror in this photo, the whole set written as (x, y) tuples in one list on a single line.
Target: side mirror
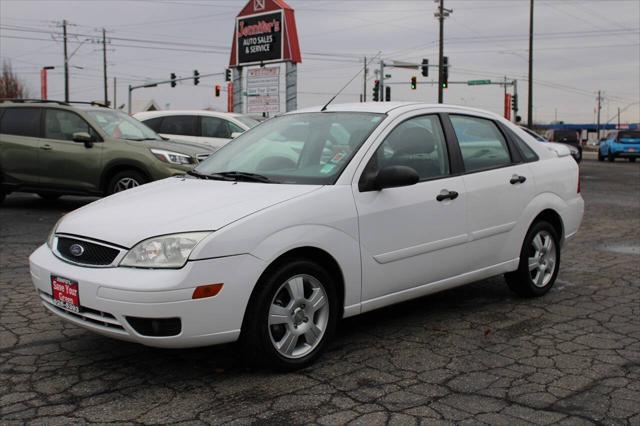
[(389, 177), (235, 134), (83, 137)]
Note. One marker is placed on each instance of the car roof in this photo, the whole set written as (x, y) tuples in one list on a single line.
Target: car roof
[(395, 107), (150, 114)]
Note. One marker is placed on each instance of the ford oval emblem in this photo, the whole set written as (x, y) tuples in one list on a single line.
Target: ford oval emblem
[(76, 249)]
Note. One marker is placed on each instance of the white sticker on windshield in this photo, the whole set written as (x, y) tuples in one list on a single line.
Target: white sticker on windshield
[(327, 168)]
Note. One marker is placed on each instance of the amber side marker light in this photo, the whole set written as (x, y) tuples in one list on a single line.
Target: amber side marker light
[(208, 290)]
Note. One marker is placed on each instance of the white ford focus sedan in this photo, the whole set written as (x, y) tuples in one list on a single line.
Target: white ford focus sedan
[(311, 217)]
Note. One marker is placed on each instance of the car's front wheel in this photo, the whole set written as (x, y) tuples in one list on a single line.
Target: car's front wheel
[(610, 157), (124, 180), (600, 156), (539, 262), (291, 317), (632, 159)]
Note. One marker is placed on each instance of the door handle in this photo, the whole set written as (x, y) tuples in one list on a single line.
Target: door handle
[(445, 194), (517, 179), (46, 147)]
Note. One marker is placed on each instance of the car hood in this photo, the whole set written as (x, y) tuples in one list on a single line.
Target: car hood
[(181, 147), (174, 205)]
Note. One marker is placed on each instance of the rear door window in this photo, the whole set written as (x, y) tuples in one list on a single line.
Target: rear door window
[(21, 122), (184, 125), (481, 143), (214, 127)]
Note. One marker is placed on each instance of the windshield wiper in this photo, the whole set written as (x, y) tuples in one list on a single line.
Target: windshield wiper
[(251, 177), (200, 175)]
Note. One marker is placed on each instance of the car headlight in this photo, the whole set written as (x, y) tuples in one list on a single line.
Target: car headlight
[(171, 157), (52, 233), (166, 251)]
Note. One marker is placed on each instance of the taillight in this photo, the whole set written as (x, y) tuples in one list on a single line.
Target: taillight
[(578, 179)]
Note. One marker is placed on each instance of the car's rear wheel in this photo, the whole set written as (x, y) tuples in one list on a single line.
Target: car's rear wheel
[(632, 159), (610, 157), (124, 180), (291, 317), (539, 262), (2, 196), (600, 156)]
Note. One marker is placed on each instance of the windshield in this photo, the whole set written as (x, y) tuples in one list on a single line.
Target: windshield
[(306, 148), (247, 121), (119, 125)]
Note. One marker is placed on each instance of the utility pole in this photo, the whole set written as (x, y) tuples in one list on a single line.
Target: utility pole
[(618, 126), (115, 85), (530, 100), (598, 111), (381, 95), (66, 62), (441, 54), (364, 89), (104, 66)]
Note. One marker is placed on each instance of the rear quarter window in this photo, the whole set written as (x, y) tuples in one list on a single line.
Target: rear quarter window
[(21, 122)]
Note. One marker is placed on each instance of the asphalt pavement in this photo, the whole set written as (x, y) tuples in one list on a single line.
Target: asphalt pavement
[(472, 355)]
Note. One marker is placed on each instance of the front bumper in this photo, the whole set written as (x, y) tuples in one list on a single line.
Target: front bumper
[(108, 296)]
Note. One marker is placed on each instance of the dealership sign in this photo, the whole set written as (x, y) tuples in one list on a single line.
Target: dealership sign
[(260, 38), (263, 90), (265, 32)]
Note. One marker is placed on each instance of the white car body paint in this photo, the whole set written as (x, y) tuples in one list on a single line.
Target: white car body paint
[(390, 245), (215, 143)]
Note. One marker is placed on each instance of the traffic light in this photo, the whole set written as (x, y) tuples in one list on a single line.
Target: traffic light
[(376, 90), (414, 83), (387, 93), (218, 88), (227, 74), (514, 102), (425, 68), (445, 72), (173, 79), (196, 77)]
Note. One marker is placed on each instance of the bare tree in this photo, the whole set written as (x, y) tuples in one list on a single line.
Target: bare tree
[(11, 87)]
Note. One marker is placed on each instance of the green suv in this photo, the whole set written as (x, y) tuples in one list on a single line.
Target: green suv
[(53, 148)]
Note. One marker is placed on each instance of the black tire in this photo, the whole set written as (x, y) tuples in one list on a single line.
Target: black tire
[(600, 156), (521, 280), (2, 196), (632, 159), (133, 178), (610, 157), (257, 340), (49, 196)]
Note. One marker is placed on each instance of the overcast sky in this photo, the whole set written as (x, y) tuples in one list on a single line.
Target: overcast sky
[(581, 46)]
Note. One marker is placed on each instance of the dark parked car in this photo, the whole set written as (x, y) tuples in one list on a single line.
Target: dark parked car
[(569, 137), (575, 153)]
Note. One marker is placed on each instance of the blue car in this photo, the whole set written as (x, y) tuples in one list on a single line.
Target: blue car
[(620, 143)]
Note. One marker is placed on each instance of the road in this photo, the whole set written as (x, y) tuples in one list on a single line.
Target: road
[(469, 355)]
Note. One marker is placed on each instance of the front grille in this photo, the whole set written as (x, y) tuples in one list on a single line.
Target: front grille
[(91, 253), (88, 315)]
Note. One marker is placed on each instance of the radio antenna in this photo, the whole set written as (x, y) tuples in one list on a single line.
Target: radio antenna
[(348, 83)]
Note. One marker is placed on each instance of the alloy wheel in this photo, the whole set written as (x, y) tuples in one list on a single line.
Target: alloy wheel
[(542, 259), (124, 184), (298, 316)]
